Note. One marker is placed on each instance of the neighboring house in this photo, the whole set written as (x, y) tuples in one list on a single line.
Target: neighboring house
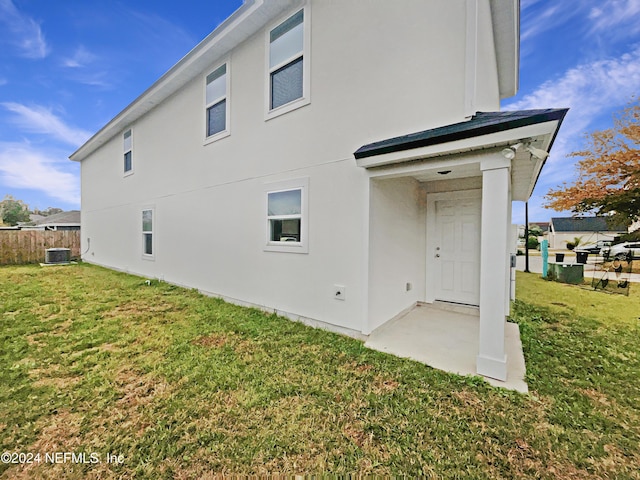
[(588, 229), (60, 221), (33, 218), (337, 162), (543, 226)]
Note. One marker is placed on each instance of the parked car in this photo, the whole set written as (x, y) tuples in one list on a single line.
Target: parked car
[(594, 247), (621, 250)]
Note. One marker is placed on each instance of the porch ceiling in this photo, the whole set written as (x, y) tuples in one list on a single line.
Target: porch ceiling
[(454, 172)]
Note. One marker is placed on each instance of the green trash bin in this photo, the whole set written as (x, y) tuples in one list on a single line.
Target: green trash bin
[(567, 273)]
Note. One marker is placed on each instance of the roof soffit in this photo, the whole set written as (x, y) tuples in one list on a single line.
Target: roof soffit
[(249, 19)]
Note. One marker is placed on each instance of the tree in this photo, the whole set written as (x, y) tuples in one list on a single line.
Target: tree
[(535, 230), (13, 211), (47, 212), (608, 181)]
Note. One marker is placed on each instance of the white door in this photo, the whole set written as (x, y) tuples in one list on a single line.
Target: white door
[(455, 250)]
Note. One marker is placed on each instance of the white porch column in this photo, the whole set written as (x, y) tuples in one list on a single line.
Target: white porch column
[(494, 266)]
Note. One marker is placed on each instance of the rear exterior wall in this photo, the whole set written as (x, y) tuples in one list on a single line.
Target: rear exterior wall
[(377, 71)]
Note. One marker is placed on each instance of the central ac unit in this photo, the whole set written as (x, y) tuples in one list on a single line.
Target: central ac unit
[(57, 255)]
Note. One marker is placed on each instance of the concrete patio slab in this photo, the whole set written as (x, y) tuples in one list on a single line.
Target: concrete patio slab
[(446, 337)]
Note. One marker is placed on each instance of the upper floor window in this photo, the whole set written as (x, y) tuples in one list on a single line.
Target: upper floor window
[(288, 77), (216, 102), (128, 149)]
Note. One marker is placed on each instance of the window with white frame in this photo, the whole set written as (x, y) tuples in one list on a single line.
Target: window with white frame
[(287, 217), (128, 149), (147, 232), (287, 61), (216, 101)]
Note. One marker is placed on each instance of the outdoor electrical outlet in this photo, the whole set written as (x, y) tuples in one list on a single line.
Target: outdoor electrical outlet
[(339, 292), (409, 286)]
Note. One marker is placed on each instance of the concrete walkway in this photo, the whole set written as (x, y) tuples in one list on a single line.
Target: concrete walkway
[(446, 337)]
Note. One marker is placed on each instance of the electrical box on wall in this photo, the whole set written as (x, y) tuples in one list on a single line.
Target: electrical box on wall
[(339, 292)]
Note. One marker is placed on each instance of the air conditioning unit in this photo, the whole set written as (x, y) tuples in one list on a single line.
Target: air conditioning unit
[(57, 255)]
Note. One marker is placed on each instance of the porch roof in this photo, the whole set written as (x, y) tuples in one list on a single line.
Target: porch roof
[(482, 123)]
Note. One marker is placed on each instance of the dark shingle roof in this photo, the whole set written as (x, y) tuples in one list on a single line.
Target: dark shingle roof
[(585, 224), (72, 216), (482, 123)]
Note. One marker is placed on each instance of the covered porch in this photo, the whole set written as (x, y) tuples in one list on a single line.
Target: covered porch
[(445, 336), (440, 234)]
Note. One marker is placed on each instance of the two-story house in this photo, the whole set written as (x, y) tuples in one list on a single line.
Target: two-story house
[(327, 160)]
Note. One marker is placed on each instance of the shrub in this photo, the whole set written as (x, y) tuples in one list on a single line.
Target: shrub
[(532, 242)]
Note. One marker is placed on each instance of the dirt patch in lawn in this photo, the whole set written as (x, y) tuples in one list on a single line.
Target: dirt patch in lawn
[(138, 389), (51, 376), (383, 385), (57, 382), (139, 307), (59, 433), (214, 340)]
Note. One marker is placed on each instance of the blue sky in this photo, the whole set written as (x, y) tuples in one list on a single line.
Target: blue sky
[(68, 67)]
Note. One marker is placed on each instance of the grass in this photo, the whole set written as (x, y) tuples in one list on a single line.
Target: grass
[(185, 386)]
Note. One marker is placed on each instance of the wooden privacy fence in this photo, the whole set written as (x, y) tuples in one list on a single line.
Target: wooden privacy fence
[(28, 246)]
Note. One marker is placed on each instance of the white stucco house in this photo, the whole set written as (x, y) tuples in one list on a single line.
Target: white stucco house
[(338, 162), (589, 230)]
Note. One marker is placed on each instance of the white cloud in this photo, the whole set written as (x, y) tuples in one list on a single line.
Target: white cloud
[(41, 120), (605, 18), (24, 31), (609, 15), (81, 58), (590, 90), (536, 22), (23, 166)]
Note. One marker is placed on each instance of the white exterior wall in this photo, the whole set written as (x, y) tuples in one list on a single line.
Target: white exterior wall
[(487, 93), (397, 236), (377, 70)]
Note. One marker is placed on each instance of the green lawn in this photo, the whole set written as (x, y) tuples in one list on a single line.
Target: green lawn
[(184, 386)]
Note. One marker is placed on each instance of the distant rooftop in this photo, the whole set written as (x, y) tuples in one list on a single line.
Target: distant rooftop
[(64, 218), (585, 224)]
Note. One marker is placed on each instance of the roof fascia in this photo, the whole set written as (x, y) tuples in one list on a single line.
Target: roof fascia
[(505, 137)]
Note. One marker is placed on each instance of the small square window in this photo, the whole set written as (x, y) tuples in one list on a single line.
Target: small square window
[(287, 218), (285, 215)]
